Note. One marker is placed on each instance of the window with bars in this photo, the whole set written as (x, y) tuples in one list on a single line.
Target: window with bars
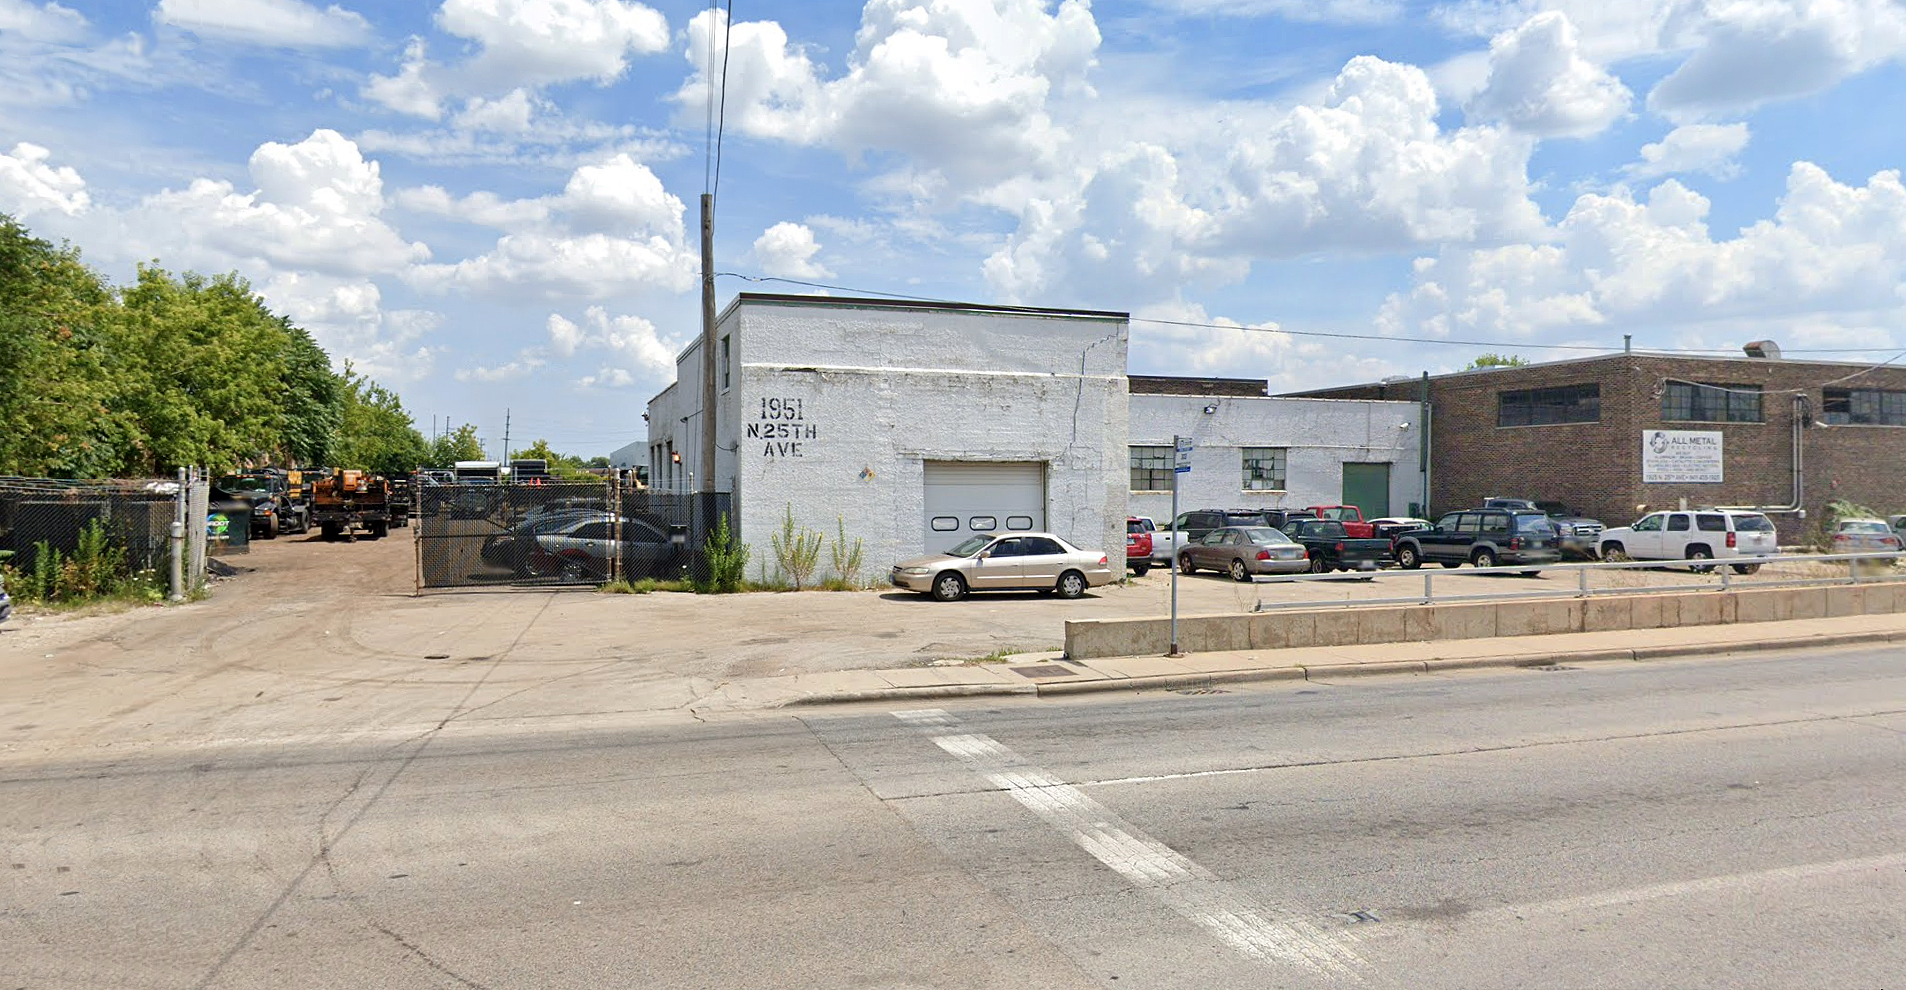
[(1549, 406), (1690, 402), (1151, 468), (1264, 469), (1863, 407)]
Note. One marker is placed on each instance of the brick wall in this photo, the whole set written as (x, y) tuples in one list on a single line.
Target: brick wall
[(1596, 467)]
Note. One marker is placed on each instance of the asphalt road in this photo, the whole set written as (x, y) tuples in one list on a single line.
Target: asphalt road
[(1733, 822)]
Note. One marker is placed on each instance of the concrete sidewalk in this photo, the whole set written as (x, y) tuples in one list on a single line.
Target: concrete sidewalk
[(1043, 674)]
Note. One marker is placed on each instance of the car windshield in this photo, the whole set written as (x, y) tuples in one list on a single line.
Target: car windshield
[(1753, 524), (1865, 526), (1245, 519), (241, 483), (1265, 534), (970, 546)]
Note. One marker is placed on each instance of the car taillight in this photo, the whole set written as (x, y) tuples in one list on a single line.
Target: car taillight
[(1263, 555), (1339, 548), (1102, 559), (1731, 541), (1515, 542)]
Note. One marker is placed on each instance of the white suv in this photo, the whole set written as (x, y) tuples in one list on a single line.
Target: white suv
[(1694, 534)]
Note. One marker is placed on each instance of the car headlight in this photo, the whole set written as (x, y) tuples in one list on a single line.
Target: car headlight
[(913, 570)]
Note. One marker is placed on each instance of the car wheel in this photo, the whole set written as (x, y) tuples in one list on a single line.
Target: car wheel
[(1746, 568), (1185, 565), (271, 528), (1071, 584), (1318, 565), (1239, 572), (1614, 553), (1140, 570), (1407, 559), (1484, 558), (949, 587), (1697, 554)]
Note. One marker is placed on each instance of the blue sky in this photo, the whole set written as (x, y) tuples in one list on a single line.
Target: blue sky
[(489, 204)]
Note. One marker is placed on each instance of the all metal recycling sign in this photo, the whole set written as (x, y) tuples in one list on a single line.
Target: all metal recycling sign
[(1681, 457)]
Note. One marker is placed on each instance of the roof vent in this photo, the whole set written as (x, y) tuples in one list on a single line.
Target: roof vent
[(1763, 349)]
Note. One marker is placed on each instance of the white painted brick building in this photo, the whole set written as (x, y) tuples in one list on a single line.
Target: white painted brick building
[(919, 423)]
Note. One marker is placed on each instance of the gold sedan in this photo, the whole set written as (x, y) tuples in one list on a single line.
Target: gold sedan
[(1006, 562)]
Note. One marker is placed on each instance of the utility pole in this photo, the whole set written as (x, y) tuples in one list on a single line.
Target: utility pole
[(709, 392), (506, 436)]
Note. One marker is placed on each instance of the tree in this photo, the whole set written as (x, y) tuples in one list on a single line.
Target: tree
[(460, 444), (563, 467), (1496, 361), (374, 431)]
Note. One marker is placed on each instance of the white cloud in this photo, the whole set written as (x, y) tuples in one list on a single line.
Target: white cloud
[(316, 207), (525, 363), (1539, 82), (47, 22), (410, 91), (1832, 257), (1709, 148), (628, 339), (608, 378), (963, 90), (613, 230), (508, 114), (1229, 348), (1747, 52), (273, 23), (346, 317), (483, 208), (1324, 11), (1366, 169), (788, 250), (28, 185), (522, 45)]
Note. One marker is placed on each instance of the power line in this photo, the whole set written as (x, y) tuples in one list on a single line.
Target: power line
[(721, 117), (708, 141), (1344, 335)]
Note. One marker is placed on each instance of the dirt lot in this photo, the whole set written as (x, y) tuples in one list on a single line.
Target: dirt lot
[(328, 635)]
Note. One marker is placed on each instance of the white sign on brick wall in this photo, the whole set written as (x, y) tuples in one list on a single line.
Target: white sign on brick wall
[(1680, 457)]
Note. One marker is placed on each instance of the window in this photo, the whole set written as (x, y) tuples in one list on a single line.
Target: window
[(1688, 402), (1678, 523), (1863, 407), (1468, 522), (1151, 469), (593, 531), (1495, 523), (1022, 522), (945, 524), (1009, 548), (1548, 406), (1536, 525), (982, 524), (1648, 524), (724, 362), (1039, 546), (1710, 523), (1753, 524), (1449, 521), (1264, 469)]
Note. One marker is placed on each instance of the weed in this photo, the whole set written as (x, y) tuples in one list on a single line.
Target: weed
[(727, 560), (847, 559), (797, 550)]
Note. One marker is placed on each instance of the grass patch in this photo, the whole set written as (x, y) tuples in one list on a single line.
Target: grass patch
[(1001, 655), (642, 586)]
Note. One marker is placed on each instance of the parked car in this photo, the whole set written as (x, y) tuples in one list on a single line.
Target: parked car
[(6, 604), (1483, 537), (1138, 544), (1243, 551), (589, 546), (1005, 562), (1350, 515), (1391, 527), (1698, 535), (1578, 533), (1190, 527), (1898, 525), (1328, 546), (1864, 536)]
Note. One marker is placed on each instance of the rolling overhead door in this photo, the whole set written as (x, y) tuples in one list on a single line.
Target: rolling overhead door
[(967, 497)]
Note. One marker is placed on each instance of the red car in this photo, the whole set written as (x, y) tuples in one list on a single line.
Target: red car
[(1138, 544), (1349, 515)]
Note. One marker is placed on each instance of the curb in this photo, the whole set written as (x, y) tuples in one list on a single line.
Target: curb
[(1173, 682)]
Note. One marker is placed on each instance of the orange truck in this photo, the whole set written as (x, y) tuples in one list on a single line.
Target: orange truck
[(344, 500)]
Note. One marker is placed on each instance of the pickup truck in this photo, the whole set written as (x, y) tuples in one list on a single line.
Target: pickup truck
[(1331, 548), (1349, 515), (1190, 527), (1138, 544)]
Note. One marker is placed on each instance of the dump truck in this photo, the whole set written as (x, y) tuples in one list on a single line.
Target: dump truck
[(346, 499)]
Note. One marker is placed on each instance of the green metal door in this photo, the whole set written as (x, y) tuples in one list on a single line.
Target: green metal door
[(1367, 486)]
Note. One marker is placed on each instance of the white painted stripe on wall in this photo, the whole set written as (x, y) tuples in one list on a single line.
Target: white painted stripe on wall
[(1189, 889)]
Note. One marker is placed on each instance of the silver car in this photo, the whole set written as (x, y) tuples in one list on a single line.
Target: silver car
[(1864, 536), (1006, 562), (1243, 551)]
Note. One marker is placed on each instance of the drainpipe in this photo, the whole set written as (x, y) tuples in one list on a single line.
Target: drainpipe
[(1423, 445), (1802, 415)]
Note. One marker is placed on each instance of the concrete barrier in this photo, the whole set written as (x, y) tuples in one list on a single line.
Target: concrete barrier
[(1362, 625)]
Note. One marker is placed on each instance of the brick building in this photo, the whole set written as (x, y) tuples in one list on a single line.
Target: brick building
[(1614, 435)]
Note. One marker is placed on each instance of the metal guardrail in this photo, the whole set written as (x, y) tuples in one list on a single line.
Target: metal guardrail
[(1721, 575)]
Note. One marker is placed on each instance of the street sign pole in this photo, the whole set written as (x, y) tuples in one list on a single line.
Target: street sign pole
[(1180, 466)]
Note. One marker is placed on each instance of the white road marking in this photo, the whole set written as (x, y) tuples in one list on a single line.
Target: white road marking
[(1189, 889), (1688, 888)]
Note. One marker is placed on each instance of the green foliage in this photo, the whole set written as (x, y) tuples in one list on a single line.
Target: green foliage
[(642, 586), (562, 467), (847, 559), (726, 560), (170, 371), (1497, 361), (460, 444), (95, 571), (797, 550)]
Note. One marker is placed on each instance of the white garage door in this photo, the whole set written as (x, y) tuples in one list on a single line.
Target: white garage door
[(963, 498)]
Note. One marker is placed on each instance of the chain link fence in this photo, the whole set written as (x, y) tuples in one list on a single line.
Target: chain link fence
[(52, 525), (559, 533)]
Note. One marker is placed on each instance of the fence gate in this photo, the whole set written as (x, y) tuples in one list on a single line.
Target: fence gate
[(569, 533)]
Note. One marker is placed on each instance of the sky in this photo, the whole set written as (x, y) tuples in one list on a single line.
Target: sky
[(492, 205)]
